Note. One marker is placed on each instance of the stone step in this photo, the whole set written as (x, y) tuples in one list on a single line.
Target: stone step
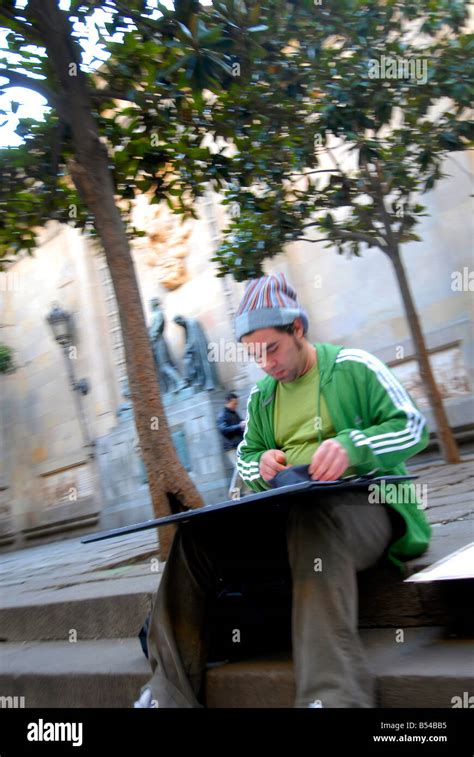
[(425, 670), (118, 610), (102, 613), (386, 601), (84, 674)]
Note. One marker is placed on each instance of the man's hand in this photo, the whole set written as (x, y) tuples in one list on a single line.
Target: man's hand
[(329, 461), (242, 425), (271, 463)]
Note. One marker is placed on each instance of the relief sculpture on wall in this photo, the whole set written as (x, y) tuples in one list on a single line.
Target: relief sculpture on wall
[(165, 245)]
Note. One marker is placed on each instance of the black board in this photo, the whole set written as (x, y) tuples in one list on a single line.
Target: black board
[(272, 498)]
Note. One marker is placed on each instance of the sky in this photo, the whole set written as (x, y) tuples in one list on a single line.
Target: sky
[(32, 104)]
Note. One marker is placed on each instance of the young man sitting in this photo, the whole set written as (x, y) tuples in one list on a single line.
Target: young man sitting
[(341, 412)]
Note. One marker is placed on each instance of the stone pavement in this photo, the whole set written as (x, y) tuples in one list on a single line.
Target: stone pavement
[(68, 569), (450, 506)]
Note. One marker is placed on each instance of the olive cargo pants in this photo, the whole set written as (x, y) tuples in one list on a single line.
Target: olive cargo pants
[(323, 544)]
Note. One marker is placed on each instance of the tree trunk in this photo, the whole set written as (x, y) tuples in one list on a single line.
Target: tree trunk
[(171, 489), (446, 438)]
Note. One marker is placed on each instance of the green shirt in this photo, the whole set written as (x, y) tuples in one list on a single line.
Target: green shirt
[(295, 418)]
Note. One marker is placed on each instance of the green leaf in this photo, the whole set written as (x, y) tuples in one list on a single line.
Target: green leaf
[(450, 141)]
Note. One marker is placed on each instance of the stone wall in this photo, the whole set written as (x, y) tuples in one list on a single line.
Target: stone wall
[(49, 474)]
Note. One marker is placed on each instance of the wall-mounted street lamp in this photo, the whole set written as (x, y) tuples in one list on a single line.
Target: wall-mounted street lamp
[(62, 326)]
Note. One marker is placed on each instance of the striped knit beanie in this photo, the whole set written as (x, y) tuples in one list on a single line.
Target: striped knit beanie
[(268, 302)]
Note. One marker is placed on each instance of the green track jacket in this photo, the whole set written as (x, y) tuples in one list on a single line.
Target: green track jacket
[(375, 420)]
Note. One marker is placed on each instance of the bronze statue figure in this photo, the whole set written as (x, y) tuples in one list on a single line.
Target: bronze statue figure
[(198, 371), (168, 375)]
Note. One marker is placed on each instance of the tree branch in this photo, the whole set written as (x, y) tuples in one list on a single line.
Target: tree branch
[(312, 241), (310, 173), (114, 94), (335, 161), (358, 236), (30, 33), (138, 19), (398, 232), (379, 199), (347, 236), (109, 94), (16, 79)]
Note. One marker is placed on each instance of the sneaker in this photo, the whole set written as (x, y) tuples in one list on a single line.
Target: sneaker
[(145, 700), (316, 703)]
